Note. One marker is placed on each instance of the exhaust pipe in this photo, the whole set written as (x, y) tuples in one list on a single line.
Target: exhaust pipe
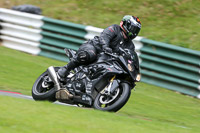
[(52, 74)]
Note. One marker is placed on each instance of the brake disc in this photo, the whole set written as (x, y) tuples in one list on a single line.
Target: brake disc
[(105, 99)]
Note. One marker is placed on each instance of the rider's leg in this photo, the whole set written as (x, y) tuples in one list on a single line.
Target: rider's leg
[(85, 55), (64, 71)]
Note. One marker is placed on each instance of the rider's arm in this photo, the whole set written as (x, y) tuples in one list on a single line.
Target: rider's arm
[(107, 35)]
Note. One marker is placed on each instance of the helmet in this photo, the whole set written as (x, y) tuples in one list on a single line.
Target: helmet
[(131, 26)]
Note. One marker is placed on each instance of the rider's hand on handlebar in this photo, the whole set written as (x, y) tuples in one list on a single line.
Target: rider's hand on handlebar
[(125, 52)]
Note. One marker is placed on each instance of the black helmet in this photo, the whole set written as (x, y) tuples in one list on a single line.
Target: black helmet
[(131, 26)]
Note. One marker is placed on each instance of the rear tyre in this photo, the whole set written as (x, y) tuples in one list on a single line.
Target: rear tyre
[(121, 96), (44, 93)]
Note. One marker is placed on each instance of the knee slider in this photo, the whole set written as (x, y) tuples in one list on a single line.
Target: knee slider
[(83, 57)]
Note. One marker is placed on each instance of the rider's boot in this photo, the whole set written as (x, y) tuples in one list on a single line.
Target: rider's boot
[(64, 71)]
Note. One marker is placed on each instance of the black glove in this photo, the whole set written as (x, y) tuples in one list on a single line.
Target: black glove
[(129, 56), (128, 53), (107, 49)]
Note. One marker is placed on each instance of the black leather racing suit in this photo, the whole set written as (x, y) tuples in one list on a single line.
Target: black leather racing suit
[(111, 37)]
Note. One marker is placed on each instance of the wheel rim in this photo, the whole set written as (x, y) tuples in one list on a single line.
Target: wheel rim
[(106, 101), (41, 88)]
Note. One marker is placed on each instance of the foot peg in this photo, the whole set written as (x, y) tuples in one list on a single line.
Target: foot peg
[(63, 94)]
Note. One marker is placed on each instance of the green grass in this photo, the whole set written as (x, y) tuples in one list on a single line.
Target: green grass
[(150, 109), (19, 70), (171, 21), (25, 116)]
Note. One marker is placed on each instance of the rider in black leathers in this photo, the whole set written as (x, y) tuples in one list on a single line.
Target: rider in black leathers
[(110, 40)]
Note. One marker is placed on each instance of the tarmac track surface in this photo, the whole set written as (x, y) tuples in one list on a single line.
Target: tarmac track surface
[(19, 95)]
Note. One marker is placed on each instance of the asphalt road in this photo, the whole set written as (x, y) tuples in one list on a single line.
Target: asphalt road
[(19, 95)]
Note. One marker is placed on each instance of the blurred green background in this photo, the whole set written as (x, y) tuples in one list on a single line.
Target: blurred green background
[(171, 21)]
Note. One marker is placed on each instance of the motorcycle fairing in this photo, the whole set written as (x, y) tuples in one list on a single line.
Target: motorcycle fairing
[(126, 64)]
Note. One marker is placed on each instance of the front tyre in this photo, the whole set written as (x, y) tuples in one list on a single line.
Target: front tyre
[(114, 103), (39, 92)]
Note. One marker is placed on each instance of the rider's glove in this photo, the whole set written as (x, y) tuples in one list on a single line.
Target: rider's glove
[(107, 49), (128, 56), (128, 53)]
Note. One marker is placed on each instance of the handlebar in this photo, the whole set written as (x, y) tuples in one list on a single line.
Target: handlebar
[(125, 52), (111, 54)]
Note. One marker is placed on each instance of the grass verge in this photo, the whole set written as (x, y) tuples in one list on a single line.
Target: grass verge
[(150, 109), (19, 70)]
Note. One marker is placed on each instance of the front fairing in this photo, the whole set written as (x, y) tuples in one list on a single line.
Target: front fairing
[(113, 66), (131, 66)]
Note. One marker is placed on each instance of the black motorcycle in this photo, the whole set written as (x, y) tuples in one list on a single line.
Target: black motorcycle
[(105, 84)]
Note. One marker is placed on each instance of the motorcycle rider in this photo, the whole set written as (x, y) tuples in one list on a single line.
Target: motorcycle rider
[(110, 40)]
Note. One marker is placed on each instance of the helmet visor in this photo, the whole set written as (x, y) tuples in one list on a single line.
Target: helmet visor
[(134, 29)]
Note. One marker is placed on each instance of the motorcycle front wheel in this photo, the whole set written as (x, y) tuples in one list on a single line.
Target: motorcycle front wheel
[(116, 101), (42, 92)]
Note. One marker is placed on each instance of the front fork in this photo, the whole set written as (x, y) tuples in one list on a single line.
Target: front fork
[(109, 89)]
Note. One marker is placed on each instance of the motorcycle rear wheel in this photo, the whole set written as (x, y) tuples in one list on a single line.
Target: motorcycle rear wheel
[(40, 93), (114, 105)]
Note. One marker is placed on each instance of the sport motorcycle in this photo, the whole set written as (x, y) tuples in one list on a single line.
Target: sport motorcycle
[(105, 84)]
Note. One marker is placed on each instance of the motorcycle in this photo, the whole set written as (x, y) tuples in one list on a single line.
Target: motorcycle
[(105, 84)]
